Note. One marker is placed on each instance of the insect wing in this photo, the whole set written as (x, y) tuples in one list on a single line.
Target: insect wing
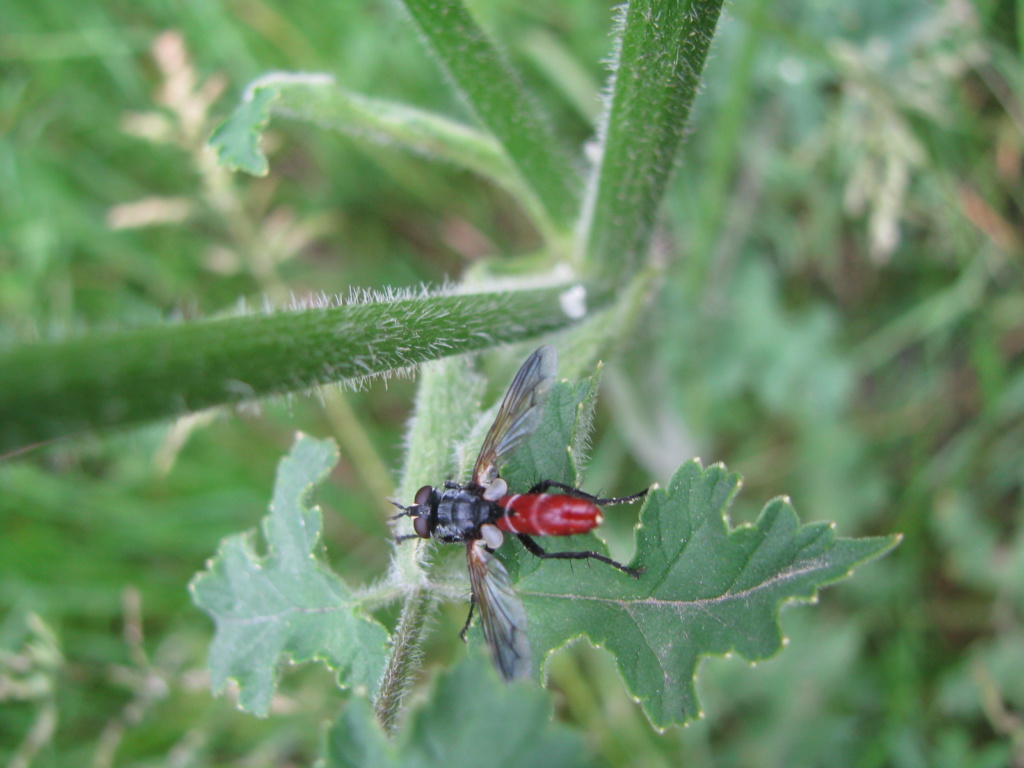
[(502, 616), (519, 414)]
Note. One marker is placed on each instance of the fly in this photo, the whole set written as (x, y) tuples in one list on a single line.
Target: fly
[(481, 511)]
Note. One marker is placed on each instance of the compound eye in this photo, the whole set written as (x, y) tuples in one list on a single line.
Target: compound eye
[(422, 526), (423, 497)]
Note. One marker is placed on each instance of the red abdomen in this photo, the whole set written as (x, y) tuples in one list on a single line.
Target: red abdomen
[(547, 514)]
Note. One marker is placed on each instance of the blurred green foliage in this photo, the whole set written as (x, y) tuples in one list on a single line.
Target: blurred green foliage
[(842, 319)]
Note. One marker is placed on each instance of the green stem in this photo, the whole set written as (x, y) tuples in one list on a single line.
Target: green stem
[(447, 403), (404, 659), (661, 55), (54, 389), (423, 132), (495, 93)]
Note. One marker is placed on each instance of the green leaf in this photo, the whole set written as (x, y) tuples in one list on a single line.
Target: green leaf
[(494, 91), (356, 739), (317, 99), (52, 389), (447, 404), (707, 589), (470, 718), (660, 57), (286, 605), (237, 140), (554, 451)]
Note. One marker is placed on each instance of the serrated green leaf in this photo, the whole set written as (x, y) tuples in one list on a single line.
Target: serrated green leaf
[(287, 604), (470, 718), (707, 589), (549, 453), (552, 452), (583, 420), (237, 140)]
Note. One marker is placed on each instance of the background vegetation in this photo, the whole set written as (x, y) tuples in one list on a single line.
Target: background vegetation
[(843, 321)]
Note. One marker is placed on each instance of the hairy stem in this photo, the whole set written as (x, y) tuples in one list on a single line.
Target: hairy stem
[(53, 389), (660, 56), (404, 659), (495, 93)]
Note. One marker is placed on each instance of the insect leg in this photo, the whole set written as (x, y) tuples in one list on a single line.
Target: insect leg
[(535, 549), (543, 485), (469, 618), (405, 537)]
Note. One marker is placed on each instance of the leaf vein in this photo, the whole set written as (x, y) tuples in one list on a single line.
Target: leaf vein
[(787, 575), (270, 617)]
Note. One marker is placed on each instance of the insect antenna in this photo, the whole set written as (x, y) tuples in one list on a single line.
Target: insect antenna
[(406, 511)]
